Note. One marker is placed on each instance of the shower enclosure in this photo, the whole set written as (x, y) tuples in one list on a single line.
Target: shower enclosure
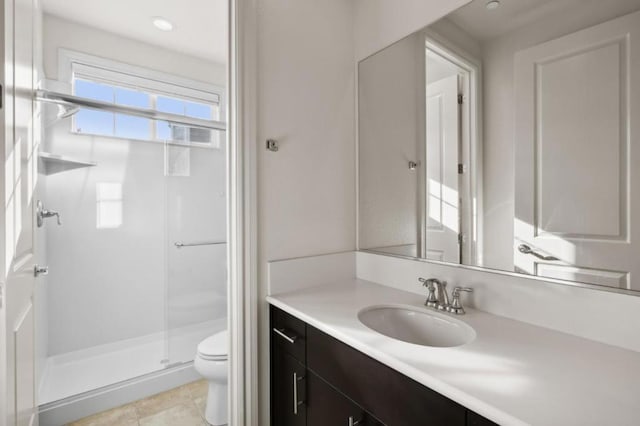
[(133, 162)]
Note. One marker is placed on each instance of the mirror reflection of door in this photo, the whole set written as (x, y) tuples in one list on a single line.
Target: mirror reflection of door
[(444, 146), (574, 192)]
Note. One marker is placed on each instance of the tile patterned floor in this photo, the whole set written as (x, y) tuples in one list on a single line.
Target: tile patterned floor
[(183, 406)]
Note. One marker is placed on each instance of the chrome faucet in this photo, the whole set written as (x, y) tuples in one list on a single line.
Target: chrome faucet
[(438, 297)]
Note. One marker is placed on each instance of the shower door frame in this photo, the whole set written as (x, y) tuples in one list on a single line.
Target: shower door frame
[(242, 256)]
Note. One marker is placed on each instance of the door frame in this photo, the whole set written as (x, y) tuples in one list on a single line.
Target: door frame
[(242, 213)]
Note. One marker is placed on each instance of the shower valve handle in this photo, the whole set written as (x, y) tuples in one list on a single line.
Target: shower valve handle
[(42, 214)]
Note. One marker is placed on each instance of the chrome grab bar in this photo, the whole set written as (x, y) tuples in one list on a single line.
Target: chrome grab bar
[(180, 244), (525, 249)]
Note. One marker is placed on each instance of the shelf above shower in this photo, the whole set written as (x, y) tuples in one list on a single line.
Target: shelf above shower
[(51, 163)]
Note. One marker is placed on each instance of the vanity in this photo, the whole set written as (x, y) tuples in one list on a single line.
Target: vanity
[(318, 380), (329, 368)]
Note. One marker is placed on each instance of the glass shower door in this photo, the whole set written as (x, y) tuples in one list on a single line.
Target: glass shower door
[(106, 312)]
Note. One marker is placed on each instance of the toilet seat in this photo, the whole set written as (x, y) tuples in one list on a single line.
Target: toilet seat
[(215, 348)]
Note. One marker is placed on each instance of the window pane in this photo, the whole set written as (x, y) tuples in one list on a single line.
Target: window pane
[(91, 90), (94, 122), (163, 131), (131, 127), (132, 98), (197, 110), (172, 105)]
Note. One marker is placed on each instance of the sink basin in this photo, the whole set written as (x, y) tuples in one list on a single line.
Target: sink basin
[(418, 326)]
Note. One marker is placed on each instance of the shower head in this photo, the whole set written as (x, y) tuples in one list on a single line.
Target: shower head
[(65, 111)]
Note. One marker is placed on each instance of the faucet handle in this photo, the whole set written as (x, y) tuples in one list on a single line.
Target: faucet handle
[(456, 306), (457, 290), (432, 300), (426, 282)]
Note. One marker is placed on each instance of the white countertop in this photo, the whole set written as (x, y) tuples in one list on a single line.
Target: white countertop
[(513, 373)]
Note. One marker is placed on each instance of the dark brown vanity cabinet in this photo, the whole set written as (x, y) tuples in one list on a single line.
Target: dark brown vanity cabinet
[(317, 380)]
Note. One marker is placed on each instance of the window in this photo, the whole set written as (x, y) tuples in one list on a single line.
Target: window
[(122, 84), (108, 205)]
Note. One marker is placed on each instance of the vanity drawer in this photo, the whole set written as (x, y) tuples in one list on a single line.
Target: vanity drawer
[(390, 396), (288, 334)]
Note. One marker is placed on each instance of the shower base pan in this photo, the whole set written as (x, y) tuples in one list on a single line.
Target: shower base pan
[(78, 384)]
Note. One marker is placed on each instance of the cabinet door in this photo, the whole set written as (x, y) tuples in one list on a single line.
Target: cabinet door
[(327, 406), (288, 391), (392, 397)]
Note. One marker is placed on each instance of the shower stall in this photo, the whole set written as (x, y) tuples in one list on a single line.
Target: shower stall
[(132, 225), (138, 260)]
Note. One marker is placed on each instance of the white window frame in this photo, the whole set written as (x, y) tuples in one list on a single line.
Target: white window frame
[(72, 64)]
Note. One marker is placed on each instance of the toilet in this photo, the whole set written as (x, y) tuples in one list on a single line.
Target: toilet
[(211, 363)]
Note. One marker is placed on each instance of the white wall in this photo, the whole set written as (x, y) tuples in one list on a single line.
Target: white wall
[(70, 35), (107, 285), (306, 190)]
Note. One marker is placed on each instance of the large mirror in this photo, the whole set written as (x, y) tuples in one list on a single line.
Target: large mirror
[(506, 135)]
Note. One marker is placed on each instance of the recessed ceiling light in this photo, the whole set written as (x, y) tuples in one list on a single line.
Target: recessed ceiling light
[(492, 5), (162, 24)]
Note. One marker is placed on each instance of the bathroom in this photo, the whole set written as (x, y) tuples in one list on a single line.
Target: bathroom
[(303, 196)]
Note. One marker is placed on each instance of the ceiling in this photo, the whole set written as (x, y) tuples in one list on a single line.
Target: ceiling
[(483, 24), (200, 26)]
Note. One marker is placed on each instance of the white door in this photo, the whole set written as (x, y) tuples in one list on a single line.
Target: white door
[(19, 181), (442, 157), (577, 150)]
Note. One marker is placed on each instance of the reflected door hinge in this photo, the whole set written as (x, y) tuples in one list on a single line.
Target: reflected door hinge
[(460, 99), (460, 239), (462, 169)]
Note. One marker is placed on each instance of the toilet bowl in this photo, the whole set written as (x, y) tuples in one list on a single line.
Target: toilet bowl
[(211, 363)]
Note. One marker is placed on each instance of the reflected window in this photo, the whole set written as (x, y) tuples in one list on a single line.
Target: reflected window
[(108, 205)]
